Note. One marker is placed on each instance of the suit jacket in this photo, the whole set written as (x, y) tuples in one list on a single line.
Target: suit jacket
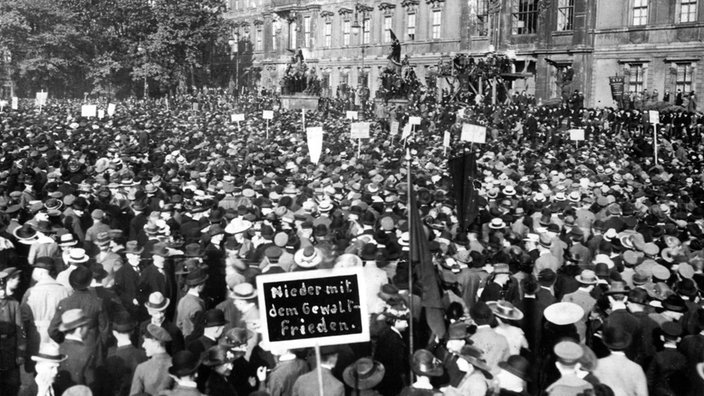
[(392, 352), (116, 374), (180, 390), (93, 307), (152, 376), (151, 280), (622, 375), (284, 375), (79, 366), (307, 384), (217, 385), (127, 288)]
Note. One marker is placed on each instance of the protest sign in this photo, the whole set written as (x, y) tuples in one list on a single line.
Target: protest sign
[(268, 114), (111, 109), (394, 128), (576, 134), (101, 114), (359, 130), (89, 110), (352, 115), (15, 103), (315, 143), (41, 98), (237, 117), (653, 116), (309, 308), (446, 139), (473, 133), (3, 103), (414, 120), (406, 131), (460, 113)]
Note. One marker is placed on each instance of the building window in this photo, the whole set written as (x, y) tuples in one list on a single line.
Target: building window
[(565, 15), (688, 11), (344, 78), (683, 80), (411, 27), (258, 39), (306, 31), (482, 18), (292, 35), (328, 34), (437, 24), (366, 31), (636, 77), (387, 28), (346, 32), (237, 4), (524, 16), (640, 12)]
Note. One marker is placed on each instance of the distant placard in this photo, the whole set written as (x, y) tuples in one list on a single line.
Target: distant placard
[(460, 113), (268, 114), (3, 103), (414, 120), (89, 111), (653, 116), (352, 115), (446, 139), (41, 98), (406, 131), (473, 133), (237, 117), (111, 109), (394, 128), (308, 308), (359, 130), (101, 114), (15, 104), (576, 134)]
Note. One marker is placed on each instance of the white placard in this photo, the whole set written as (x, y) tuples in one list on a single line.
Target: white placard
[(352, 115), (394, 128), (576, 134), (414, 120), (3, 103), (406, 131), (359, 130), (315, 143), (237, 117), (111, 109), (446, 139), (101, 114), (15, 104), (653, 116), (89, 110), (41, 98), (473, 133), (460, 113), (268, 114)]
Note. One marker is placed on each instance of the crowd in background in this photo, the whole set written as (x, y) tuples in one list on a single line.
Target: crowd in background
[(130, 245)]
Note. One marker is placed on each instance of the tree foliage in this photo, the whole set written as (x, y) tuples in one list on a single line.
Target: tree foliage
[(110, 46)]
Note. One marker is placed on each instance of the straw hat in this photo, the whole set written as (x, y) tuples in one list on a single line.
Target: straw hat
[(157, 302), (363, 374)]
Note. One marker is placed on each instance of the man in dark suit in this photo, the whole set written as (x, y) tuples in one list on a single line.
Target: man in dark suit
[(127, 281), (156, 278), (139, 220), (79, 366), (156, 307), (122, 359), (392, 351)]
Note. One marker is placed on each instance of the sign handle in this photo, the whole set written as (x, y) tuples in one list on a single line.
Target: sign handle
[(319, 369), (359, 147), (267, 129), (655, 142)]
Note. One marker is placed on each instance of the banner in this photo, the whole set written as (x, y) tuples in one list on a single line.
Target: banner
[(89, 110), (576, 134), (393, 131), (463, 171), (359, 130), (315, 143), (268, 114), (308, 308), (473, 133), (351, 115), (617, 83)]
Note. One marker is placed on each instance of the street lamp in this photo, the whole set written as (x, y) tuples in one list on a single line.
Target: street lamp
[(143, 51), (359, 30)]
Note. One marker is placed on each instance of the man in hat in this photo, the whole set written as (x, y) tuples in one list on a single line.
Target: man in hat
[(287, 370), (92, 308), (127, 280), (622, 375), (449, 353), (667, 374), (213, 326), (513, 376), (98, 216), (155, 277), (122, 358), (245, 299), (475, 380), (392, 351), (219, 362), (75, 257), (568, 354), (191, 305), (184, 371), (47, 361), (583, 297), (12, 339), (363, 375), (156, 306), (79, 366), (109, 260), (494, 345), (308, 384), (152, 376)]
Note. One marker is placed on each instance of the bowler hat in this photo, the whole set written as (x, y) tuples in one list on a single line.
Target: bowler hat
[(425, 364), (616, 338), (196, 277), (80, 278), (184, 363), (517, 365), (215, 317)]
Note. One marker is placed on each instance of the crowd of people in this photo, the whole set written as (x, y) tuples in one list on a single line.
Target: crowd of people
[(130, 245)]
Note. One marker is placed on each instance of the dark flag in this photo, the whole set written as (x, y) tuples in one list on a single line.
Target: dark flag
[(395, 55), (463, 170), (421, 258)]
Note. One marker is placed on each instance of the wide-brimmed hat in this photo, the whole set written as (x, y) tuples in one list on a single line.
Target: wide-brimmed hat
[(497, 223), (505, 310), (473, 355), (77, 255), (157, 302), (66, 240), (244, 291), (424, 363), (160, 249), (616, 338), (563, 313), (72, 319), (517, 365), (44, 262), (237, 226), (308, 257), (102, 239), (216, 356), (80, 278), (25, 235), (184, 363), (196, 277), (49, 352), (236, 338), (363, 374), (587, 277), (132, 247)]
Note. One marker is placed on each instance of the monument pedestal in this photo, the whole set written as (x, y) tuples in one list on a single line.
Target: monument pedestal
[(299, 101)]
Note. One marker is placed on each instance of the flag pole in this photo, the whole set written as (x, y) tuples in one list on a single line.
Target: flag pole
[(410, 262)]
